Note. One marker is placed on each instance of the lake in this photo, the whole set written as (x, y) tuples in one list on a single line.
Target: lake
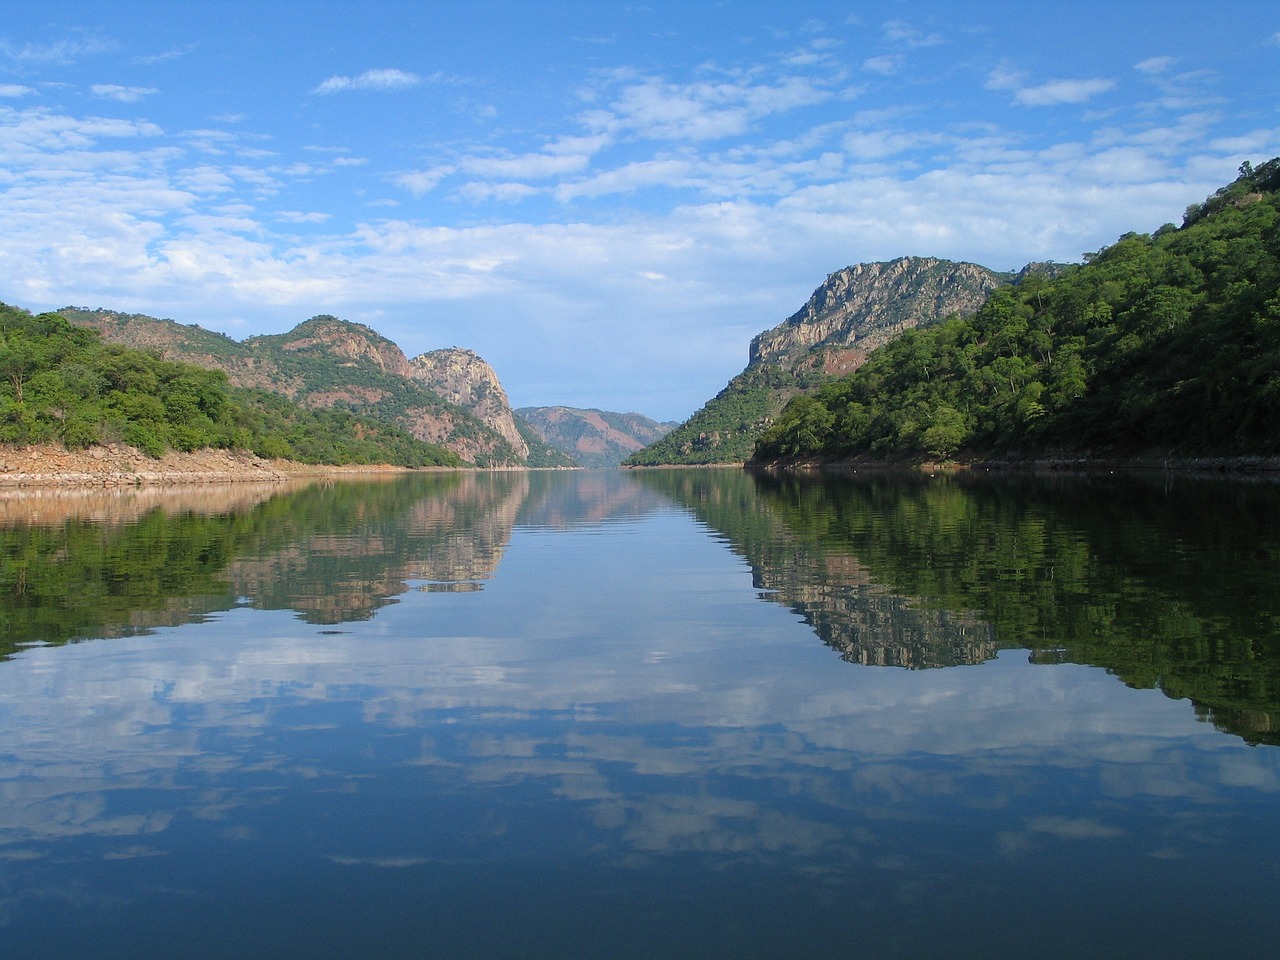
[(642, 714)]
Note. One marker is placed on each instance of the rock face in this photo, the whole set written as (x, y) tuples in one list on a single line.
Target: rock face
[(463, 378), (593, 438), (854, 311), (453, 400), (352, 342), (866, 305)]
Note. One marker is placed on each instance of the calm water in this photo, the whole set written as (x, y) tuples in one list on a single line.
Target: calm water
[(642, 715)]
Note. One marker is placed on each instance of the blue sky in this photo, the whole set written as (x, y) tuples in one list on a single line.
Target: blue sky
[(605, 201)]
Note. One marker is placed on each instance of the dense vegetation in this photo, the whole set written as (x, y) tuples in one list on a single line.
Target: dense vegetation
[(61, 384), (541, 453), (304, 355), (726, 428), (853, 310), (1164, 344), (323, 362)]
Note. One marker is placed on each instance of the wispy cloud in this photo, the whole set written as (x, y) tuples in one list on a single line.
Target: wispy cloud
[(388, 79), (58, 51), (908, 34), (1154, 65), (1062, 91), (173, 53), (885, 66), (111, 91), (14, 90), (1005, 77), (659, 109)]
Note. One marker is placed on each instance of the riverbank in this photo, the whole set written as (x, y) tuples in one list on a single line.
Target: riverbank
[(1228, 465), (118, 465)]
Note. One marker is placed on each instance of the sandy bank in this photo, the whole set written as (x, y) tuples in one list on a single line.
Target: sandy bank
[(117, 465)]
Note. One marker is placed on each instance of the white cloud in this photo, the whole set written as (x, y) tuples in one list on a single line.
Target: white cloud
[(499, 192), (421, 182), (14, 90), (1004, 77), (657, 109), (173, 53), (1155, 65), (296, 216), (59, 51), (886, 66), (112, 91), (388, 79), (1062, 91), (530, 166), (900, 31), (629, 178)]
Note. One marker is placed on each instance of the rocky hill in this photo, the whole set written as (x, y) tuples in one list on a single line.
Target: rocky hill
[(854, 311), (593, 438), (448, 397), (461, 377), (861, 307)]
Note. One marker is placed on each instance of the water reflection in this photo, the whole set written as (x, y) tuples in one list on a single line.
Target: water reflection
[(1168, 582), (614, 748)]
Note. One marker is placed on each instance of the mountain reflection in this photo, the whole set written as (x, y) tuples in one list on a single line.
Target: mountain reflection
[(86, 564), (611, 728), (1166, 582)]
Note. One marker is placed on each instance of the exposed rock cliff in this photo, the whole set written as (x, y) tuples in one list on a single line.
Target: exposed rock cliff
[(354, 342), (463, 378), (866, 305)]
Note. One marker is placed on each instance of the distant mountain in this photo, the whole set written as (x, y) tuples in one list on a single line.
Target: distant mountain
[(854, 311), (447, 397), (593, 438)]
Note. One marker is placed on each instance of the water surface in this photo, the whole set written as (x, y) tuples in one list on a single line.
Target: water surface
[(667, 714)]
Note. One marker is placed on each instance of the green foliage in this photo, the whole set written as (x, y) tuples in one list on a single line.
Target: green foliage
[(62, 384), (323, 362), (726, 428), (541, 453), (1162, 345)]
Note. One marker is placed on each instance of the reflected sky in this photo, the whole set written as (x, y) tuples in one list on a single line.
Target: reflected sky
[(613, 748)]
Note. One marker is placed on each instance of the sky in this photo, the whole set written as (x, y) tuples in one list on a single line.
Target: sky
[(606, 201)]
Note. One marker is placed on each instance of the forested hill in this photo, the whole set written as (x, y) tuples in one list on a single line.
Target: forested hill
[(60, 383), (1162, 345), (851, 313), (447, 397)]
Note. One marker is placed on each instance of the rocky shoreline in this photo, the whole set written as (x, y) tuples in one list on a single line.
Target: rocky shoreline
[(118, 465)]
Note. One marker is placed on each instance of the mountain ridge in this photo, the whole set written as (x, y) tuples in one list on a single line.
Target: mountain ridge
[(852, 312), (327, 362), (593, 437)]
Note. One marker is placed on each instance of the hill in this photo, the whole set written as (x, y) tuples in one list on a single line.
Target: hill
[(450, 398), (853, 312), (61, 384), (593, 438), (1162, 345)]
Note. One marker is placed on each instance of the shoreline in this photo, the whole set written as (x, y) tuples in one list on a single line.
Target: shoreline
[(121, 466), (1239, 465)]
